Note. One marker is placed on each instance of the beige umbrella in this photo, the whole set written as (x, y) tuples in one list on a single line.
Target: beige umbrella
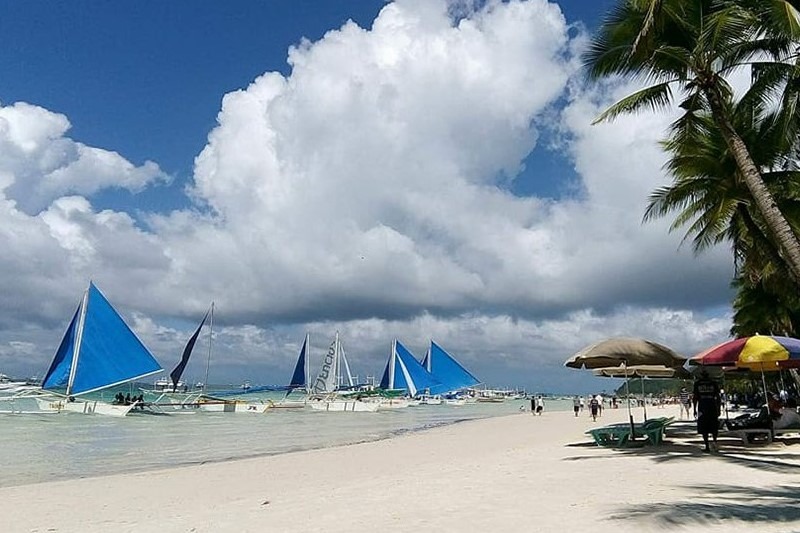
[(625, 352)]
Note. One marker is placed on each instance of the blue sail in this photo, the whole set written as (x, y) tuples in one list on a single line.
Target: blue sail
[(451, 375), (403, 371), (58, 374), (299, 377), (177, 372), (108, 353)]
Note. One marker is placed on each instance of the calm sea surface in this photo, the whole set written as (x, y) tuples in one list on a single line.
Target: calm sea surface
[(35, 448)]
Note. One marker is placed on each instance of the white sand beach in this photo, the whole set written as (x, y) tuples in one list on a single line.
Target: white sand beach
[(519, 472)]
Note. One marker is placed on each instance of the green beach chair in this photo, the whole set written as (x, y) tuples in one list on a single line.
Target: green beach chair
[(655, 429), (615, 435)]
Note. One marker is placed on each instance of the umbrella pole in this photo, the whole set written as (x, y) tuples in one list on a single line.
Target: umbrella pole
[(644, 400), (725, 401), (766, 403), (628, 399)]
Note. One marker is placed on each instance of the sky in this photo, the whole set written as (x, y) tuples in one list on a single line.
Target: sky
[(416, 169)]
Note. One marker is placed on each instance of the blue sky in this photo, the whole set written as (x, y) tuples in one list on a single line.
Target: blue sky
[(458, 194), (145, 78)]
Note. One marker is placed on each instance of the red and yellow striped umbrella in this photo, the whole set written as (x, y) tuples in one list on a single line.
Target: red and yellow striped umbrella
[(759, 352)]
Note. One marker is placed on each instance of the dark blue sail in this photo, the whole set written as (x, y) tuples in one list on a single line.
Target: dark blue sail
[(177, 372), (300, 375), (451, 375), (106, 351), (58, 374)]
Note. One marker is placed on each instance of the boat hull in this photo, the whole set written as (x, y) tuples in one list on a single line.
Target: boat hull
[(344, 406), (86, 407)]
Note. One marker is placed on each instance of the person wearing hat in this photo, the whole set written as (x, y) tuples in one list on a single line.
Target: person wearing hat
[(706, 402)]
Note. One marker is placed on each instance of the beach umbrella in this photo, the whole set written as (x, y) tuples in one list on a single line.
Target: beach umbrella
[(624, 352), (759, 353)]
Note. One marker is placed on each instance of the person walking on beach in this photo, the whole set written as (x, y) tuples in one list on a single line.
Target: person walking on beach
[(539, 405), (582, 403), (594, 407), (533, 405), (683, 397), (706, 402), (576, 405)]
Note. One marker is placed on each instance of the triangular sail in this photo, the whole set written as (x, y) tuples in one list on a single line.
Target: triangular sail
[(343, 359), (326, 381), (300, 375), (403, 371), (109, 353), (177, 372), (57, 375), (426, 361), (448, 371)]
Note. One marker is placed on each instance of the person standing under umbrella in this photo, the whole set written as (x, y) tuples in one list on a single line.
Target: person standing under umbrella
[(706, 402)]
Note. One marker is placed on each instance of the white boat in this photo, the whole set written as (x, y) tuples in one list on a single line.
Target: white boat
[(166, 385), (427, 399), (393, 403), (326, 391), (172, 394), (97, 351), (338, 404), (9, 386), (455, 401)]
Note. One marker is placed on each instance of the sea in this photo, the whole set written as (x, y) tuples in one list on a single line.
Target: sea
[(46, 447)]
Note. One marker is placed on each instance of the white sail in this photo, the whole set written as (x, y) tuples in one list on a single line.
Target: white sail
[(327, 380)]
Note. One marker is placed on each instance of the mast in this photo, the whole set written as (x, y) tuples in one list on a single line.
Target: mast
[(78, 340), (306, 364), (346, 366), (392, 362), (210, 337), (337, 375)]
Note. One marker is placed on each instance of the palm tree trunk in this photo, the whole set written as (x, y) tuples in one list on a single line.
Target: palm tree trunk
[(785, 238)]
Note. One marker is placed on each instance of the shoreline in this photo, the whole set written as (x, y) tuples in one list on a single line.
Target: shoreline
[(534, 473), (125, 447)]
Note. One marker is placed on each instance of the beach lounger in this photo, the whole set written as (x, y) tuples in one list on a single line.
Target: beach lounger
[(615, 435), (749, 434), (655, 429), (619, 435)]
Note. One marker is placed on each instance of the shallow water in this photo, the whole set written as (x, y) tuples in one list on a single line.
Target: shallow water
[(37, 448)]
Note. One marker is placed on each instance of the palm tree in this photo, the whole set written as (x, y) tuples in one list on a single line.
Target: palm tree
[(688, 47), (712, 201), (758, 309)]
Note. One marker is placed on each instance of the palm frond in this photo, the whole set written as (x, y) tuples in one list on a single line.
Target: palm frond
[(655, 97)]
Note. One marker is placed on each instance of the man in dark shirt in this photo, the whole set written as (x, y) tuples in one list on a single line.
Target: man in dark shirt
[(706, 402)]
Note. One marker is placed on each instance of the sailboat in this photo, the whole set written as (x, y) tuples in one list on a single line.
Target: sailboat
[(452, 376), (172, 393), (403, 372), (97, 351), (326, 391), (299, 381)]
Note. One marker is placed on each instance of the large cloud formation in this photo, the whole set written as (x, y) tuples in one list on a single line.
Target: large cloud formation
[(365, 192)]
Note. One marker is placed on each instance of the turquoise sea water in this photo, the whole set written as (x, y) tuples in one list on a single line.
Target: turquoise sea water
[(36, 448)]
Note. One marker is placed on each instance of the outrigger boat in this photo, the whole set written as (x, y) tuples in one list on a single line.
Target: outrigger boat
[(97, 351), (326, 394), (180, 399)]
